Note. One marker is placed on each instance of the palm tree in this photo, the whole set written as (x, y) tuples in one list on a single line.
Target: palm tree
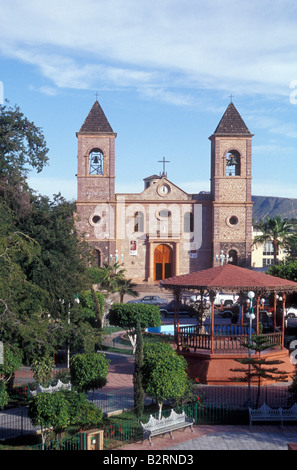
[(276, 230), (112, 279), (110, 275), (126, 286)]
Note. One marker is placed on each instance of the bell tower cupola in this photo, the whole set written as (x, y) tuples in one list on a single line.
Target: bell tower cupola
[(96, 158), (95, 205), (231, 180)]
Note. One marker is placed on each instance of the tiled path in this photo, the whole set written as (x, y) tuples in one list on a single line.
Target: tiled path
[(218, 437), (203, 437)]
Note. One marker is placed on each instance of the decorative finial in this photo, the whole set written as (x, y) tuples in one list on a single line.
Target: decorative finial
[(231, 96), (96, 94)]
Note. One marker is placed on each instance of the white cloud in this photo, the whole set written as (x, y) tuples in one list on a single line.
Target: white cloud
[(224, 45)]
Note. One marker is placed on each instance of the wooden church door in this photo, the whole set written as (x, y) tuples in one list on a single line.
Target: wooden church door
[(162, 262)]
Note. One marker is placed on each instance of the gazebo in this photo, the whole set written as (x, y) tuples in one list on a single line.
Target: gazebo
[(210, 353)]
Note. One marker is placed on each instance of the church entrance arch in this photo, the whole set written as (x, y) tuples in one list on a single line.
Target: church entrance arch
[(163, 258), (233, 257)]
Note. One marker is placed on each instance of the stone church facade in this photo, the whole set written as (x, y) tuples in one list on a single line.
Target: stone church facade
[(163, 231)]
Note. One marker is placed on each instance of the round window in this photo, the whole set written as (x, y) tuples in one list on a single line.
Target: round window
[(95, 219), (233, 220)]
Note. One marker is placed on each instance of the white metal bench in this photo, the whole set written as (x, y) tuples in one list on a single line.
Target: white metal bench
[(265, 413), (60, 386), (174, 422)]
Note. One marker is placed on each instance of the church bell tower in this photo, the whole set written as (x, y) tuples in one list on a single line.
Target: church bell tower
[(231, 161), (96, 183)]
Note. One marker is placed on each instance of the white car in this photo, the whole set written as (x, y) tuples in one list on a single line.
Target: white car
[(291, 312), (149, 299), (226, 299)]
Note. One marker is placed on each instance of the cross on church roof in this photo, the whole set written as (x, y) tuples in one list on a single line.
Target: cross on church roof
[(163, 161)]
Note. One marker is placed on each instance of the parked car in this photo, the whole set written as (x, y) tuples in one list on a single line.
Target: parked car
[(196, 299), (227, 314), (291, 312), (226, 299), (266, 319), (149, 299), (183, 309)]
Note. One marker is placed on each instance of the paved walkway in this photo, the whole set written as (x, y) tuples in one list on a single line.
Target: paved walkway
[(205, 437)]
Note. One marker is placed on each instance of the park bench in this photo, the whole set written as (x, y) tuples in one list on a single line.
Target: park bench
[(162, 426), (265, 413), (55, 388)]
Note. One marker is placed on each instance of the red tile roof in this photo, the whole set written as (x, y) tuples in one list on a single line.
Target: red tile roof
[(232, 123), (230, 278), (96, 121)]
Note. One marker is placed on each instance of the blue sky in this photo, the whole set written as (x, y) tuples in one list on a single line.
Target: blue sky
[(164, 72)]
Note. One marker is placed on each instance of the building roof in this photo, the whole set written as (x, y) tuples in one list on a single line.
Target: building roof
[(230, 278), (96, 121), (232, 124), (153, 177)]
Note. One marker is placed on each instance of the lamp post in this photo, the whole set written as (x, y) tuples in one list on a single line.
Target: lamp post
[(115, 257), (251, 316), (222, 258), (77, 301)]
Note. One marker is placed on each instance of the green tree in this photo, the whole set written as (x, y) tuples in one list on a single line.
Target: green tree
[(112, 279), (137, 376), (49, 410), (259, 366), (126, 287), (276, 230), (126, 316), (82, 413), (22, 148), (20, 299), (164, 373), (292, 389), (88, 371), (292, 248), (4, 397), (42, 369), (22, 143), (12, 361), (287, 270), (43, 262), (91, 306), (108, 276)]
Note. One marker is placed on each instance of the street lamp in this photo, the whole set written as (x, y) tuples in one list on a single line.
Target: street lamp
[(251, 316), (222, 257)]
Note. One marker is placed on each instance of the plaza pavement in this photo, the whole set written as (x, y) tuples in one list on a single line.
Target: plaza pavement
[(203, 437)]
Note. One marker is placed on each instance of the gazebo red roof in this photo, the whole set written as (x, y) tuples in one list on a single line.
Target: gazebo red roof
[(229, 278)]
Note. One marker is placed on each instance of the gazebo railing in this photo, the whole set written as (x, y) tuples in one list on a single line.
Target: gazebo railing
[(224, 340)]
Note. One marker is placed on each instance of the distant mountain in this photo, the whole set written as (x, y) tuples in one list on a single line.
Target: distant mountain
[(271, 206)]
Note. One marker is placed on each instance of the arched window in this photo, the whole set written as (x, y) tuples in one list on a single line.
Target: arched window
[(96, 162), (138, 222), (188, 222), (233, 163)]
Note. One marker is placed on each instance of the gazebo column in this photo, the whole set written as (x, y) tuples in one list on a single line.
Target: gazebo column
[(241, 310), (283, 320), (274, 311), (201, 304), (257, 313), (212, 298), (176, 316)]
